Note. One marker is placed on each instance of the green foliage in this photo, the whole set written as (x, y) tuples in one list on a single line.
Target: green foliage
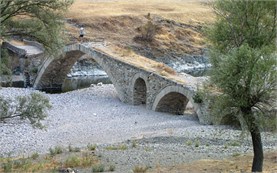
[(197, 97), (98, 168), (42, 20), (243, 56), (72, 161), (119, 147), (243, 22), (7, 166), (5, 66), (134, 144), (91, 147), (55, 151), (73, 149), (5, 62), (34, 156), (32, 108)]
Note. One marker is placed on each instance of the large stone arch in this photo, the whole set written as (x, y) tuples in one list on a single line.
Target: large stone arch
[(139, 87), (54, 70)]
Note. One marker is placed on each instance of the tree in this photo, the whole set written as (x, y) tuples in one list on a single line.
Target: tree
[(243, 56), (32, 108), (39, 20)]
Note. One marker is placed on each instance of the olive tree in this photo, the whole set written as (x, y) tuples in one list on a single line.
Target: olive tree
[(243, 56), (39, 20), (32, 108)]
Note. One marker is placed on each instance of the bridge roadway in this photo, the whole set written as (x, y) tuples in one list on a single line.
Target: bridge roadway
[(134, 84)]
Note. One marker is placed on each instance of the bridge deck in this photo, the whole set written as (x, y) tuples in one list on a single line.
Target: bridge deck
[(147, 64), (31, 50)]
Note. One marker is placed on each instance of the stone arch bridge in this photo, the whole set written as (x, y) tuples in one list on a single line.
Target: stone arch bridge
[(134, 85)]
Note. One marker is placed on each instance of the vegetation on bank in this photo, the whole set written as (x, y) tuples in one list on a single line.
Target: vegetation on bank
[(35, 20), (243, 56)]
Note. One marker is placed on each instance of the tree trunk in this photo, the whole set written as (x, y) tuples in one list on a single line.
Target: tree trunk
[(257, 164)]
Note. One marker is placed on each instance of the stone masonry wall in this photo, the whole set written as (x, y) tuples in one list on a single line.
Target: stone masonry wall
[(127, 79)]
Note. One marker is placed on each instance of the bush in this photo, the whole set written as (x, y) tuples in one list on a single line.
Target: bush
[(112, 168), (197, 98), (34, 156), (91, 147), (147, 32), (73, 149), (98, 168), (55, 151), (140, 169), (72, 161)]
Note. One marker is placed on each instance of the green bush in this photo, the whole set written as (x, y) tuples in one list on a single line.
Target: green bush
[(98, 168), (198, 98), (34, 156), (55, 151), (91, 147)]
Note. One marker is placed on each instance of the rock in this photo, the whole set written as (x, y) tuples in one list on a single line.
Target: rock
[(92, 85), (100, 84), (67, 170)]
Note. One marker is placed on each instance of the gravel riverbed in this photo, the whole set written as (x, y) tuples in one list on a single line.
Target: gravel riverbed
[(95, 115)]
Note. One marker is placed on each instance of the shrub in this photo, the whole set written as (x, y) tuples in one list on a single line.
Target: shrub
[(111, 168), (34, 156), (140, 169), (91, 147), (7, 167), (73, 149), (197, 98), (72, 162), (147, 32), (55, 151), (119, 147), (197, 143), (98, 168)]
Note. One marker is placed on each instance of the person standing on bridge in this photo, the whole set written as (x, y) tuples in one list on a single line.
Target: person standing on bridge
[(82, 33)]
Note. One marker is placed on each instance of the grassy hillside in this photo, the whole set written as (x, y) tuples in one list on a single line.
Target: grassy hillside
[(179, 24)]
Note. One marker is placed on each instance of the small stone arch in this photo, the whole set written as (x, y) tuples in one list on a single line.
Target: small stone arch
[(172, 99), (139, 89)]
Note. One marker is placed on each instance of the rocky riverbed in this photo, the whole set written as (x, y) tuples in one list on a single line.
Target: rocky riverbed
[(95, 115)]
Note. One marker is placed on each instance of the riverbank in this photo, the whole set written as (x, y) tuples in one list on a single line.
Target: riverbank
[(95, 115)]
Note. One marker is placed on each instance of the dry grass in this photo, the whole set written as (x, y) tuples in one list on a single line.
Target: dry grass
[(178, 10), (128, 56), (237, 163), (116, 21)]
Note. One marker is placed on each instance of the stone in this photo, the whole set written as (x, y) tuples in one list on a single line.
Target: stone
[(100, 84)]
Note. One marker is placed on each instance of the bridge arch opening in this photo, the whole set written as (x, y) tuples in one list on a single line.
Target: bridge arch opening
[(85, 72), (172, 102), (140, 90)]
